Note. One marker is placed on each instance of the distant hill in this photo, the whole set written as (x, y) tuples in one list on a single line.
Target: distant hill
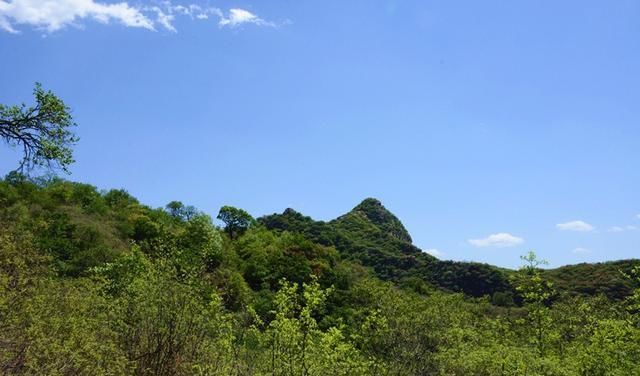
[(592, 279), (375, 237)]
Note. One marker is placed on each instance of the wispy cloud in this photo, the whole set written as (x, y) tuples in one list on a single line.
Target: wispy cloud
[(165, 19), (238, 17), (622, 228), (54, 15), (580, 251), (579, 226), (638, 216), (499, 240)]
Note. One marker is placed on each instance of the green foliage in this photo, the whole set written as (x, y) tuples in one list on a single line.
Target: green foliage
[(388, 223), (529, 282), (633, 301), (536, 293), (94, 283), (69, 330), (593, 279), (613, 349), (42, 132), (405, 331), (373, 236), (168, 327), (268, 257), (179, 211), (296, 346), (51, 326), (236, 221)]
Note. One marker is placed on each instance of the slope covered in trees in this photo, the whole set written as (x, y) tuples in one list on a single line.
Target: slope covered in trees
[(606, 278), (373, 236), (96, 283)]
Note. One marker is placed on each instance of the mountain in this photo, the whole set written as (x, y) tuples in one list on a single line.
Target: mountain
[(375, 237), (373, 211), (372, 235)]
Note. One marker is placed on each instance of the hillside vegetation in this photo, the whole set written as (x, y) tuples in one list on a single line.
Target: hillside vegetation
[(96, 283), (373, 236)]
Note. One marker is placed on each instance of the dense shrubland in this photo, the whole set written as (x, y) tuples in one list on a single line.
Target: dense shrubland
[(95, 283)]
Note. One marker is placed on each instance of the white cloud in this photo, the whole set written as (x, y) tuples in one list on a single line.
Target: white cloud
[(580, 226), (241, 16), (6, 25), (192, 10), (433, 252), (622, 229), (53, 15), (165, 19), (580, 250), (500, 240)]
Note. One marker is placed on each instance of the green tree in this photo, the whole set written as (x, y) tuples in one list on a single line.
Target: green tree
[(199, 246), (634, 299), (296, 345), (178, 210), (536, 293), (236, 221), (42, 131), (51, 326), (614, 349), (168, 325)]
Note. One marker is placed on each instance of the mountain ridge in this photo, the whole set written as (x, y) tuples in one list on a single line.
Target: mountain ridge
[(371, 234)]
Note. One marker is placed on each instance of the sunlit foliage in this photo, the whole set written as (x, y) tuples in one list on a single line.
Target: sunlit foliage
[(95, 283)]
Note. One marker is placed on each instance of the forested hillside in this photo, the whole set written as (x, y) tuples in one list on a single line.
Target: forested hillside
[(96, 283), (373, 236)]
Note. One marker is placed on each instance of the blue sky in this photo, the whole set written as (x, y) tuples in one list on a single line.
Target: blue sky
[(489, 127)]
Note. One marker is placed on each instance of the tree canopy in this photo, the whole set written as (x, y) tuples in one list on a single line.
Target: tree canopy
[(236, 220), (42, 132)]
